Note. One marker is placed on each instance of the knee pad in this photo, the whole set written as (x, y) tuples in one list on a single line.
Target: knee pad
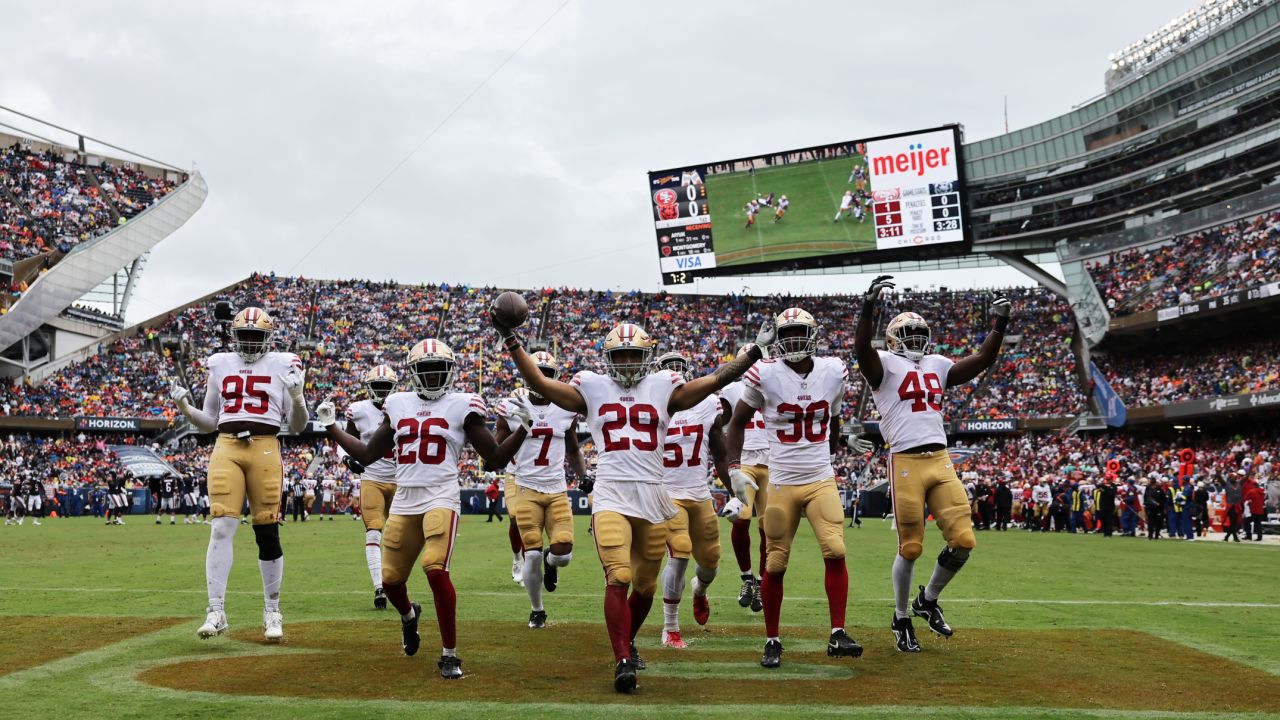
[(618, 575), (953, 558), (833, 547), (776, 559), (910, 550), (268, 537), (645, 584), (680, 545), (963, 539)]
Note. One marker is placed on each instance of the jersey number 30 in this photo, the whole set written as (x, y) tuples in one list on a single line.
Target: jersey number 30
[(921, 393)]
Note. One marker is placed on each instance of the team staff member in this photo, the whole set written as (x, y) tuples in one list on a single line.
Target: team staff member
[(907, 384), (249, 394)]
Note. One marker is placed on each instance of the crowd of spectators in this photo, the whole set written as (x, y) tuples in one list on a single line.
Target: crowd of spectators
[(1156, 377), (48, 201), (341, 328), (1200, 265)]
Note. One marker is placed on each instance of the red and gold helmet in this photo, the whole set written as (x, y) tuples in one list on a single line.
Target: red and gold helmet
[(547, 363), (632, 340), (432, 368), (675, 362), (908, 335), (792, 345), (380, 381), (251, 332)]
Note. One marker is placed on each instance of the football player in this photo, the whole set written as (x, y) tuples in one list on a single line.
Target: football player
[(783, 204), (35, 500), (754, 462), (168, 498), (249, 394), (328, 498), (308, 496), (378, 479), (846, 205), (907, 383), (628, 409), (799, 396), (539, 495), (426, 429), (693, 438)]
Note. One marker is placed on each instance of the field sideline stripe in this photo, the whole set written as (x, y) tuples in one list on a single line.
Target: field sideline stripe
[(800, 598)]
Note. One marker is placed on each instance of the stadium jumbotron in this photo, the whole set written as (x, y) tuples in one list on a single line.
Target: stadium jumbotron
[(1023, 499)]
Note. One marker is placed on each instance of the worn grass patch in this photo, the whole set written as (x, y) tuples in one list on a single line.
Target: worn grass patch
[(506, 662), (31, 640)]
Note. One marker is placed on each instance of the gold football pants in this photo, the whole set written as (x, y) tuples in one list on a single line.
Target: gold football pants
[(920, 478), (406, 536), (817, 501), (246, 467), (695, 531), (630, 549)]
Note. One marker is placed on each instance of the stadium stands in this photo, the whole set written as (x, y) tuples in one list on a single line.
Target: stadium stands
[(1201, 371), (1230, 257)]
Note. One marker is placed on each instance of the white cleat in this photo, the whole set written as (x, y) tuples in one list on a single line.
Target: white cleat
[(517, 572), (215, 623), (272, 626)]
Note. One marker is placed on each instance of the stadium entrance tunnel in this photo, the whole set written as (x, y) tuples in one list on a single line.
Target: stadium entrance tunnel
[(572, 663)]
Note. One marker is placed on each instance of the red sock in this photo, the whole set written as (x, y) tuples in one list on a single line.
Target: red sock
[(741, 534), (837, 582), (398, 594), (771, 598), (763, 554), (639, 607), (446, 607), (617, 618), (513, 534)]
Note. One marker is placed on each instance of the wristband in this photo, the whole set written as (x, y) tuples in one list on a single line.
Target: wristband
[(511, 342), (1001, 324), (755, 353)]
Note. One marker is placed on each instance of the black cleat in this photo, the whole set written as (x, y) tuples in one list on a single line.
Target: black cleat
[(756, 604), (624, 676), (635, 658), (747, 592), (841, 645), (550, 574), (772, 654), (380, 599), (450, 667), (904, 635), (538, 619), (929, 610), (409, 631)]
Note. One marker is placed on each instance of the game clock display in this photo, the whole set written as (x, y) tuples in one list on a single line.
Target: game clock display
[(894, 197)]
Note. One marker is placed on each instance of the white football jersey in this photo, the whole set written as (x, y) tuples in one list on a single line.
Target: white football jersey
[(254, 391), (539, 463), (430, 437), (797, 416), (367, 418), (309, 485), (628, 427), (909, 400), (687, 451), (755, 441)]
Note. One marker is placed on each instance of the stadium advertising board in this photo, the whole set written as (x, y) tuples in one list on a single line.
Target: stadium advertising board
[(1265, 400), (116, 424), (879, 199), (1220, 302)]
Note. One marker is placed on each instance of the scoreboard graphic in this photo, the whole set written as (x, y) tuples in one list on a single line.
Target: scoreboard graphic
[(887, 198)]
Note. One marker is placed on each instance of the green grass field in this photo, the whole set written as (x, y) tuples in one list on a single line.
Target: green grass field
[(814, 189), (98, 621)]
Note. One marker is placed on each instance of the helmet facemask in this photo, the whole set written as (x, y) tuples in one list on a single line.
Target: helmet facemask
[(432, 377), (627, 365), (380, 389), (676, 363), (796, 342), (251, 343), (908, 335)]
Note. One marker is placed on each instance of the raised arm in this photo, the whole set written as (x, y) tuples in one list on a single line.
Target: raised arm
[(970, 367), (868, 359), (561, 393), (495, 455), (695, 391)]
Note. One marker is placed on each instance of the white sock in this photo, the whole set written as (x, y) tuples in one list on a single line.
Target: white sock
[(406, 617), (517, 557), (272, 575), (217, 560), (533, 578), (671, 616), (559, 560), (702, 578), (449, 652), (373, 555), (903, 569)]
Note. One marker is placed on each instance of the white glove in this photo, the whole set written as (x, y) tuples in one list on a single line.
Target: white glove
[(740, 482), (177, 392), (859, 445), (733, 509), (294, 379), (1000, 306), (522, 412), (767, 336), (326, 413)]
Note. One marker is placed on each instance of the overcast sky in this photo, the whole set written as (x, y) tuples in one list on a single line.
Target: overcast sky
[(295, 111)]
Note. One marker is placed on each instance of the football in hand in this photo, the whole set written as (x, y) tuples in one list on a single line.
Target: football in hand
[(511, 309)]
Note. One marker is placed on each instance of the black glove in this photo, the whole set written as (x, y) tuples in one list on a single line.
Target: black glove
[(880, 284), (1001, 309), (587, 483), (353, 464)]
